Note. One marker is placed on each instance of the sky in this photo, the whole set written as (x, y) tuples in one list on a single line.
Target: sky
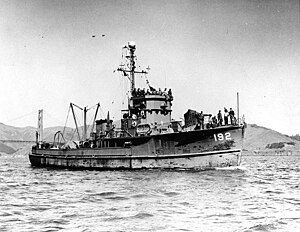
[(56, 52)]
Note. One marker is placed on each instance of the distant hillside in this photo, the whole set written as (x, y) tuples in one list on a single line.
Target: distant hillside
[(257, 138), (28, 134), (17, 133), (296, 137), (260, 138)]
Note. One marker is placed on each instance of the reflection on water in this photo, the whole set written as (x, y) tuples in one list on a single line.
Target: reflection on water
[(263, 195)]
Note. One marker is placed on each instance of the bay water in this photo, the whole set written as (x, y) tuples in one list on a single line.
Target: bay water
[(261, 195)]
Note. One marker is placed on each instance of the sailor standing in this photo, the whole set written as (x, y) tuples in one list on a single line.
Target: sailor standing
[(201, 120), (231, 115), (220, 118), (226, 114)]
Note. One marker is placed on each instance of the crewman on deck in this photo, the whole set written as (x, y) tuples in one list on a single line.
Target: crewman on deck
[(201, 120), (220, 118), (159, 91), (226, 114), (214, 121), (165, 93), (210, 122), (170, 94), (231, 115), (143, 92)]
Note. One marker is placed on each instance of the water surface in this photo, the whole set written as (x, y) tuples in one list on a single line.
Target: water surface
[(263, 195)]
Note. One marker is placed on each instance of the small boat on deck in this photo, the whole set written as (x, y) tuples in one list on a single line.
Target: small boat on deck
[(147, 138)]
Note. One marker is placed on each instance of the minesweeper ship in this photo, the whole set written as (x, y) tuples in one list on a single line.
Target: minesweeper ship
[(148, 137)]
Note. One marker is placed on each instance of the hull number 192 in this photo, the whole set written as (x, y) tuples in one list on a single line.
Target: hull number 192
[(221, 136)]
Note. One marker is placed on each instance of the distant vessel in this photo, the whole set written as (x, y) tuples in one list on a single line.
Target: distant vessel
[(147, 137)]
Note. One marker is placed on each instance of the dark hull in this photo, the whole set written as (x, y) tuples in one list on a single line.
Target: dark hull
[(199, 149)]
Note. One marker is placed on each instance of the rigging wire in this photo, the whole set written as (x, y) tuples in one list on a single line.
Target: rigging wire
[(123, 87), (74, 131), (66, 121), (102, 113), (20, 117)]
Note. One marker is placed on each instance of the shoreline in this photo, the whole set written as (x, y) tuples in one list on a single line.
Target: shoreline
[(272, 153)]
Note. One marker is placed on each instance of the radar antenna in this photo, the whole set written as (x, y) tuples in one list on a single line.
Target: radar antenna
[(131, 58)]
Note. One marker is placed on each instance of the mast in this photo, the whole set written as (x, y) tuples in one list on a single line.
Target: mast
[(131, 59), (132, 66), (84, 123), (238, 108), (40, 127)]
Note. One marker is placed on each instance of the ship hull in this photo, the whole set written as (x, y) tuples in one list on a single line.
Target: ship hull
[(201, 149)]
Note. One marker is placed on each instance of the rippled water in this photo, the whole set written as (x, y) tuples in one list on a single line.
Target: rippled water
[(264, 195)]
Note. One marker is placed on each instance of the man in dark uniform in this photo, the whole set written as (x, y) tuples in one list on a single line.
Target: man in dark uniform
[(201, 120), (220, 118), (231, 115)]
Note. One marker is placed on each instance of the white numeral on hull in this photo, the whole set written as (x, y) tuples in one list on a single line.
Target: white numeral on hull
[(221, 136)]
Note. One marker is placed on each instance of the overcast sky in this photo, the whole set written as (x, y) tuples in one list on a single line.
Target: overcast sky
[(56, 52)]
